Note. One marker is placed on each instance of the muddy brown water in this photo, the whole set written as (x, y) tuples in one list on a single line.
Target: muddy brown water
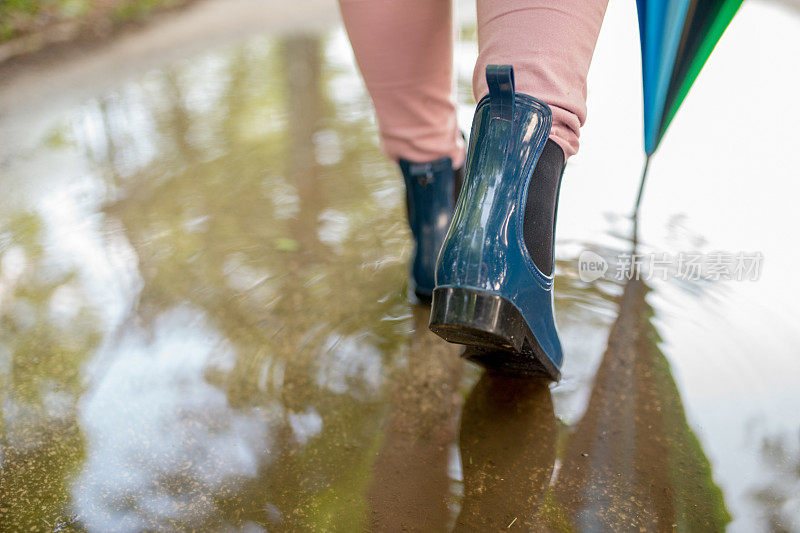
[(203, 323)]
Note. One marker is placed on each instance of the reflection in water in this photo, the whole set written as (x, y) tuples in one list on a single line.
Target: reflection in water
[(410, 489), (285, 365), (254, 349), (508, 445), (632, 462), (46, 332), (780, 499), (203, 326)]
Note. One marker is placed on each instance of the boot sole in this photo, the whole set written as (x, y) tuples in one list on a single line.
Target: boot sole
[(492, 329)]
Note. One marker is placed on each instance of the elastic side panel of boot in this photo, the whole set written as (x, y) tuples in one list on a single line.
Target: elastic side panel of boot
[(540, 206)]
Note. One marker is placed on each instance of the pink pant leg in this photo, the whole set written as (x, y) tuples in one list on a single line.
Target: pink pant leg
[(550, 45), (404, 50)]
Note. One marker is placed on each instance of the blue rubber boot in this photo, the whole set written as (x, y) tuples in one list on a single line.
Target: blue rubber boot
[(431, 193), (490, 295)]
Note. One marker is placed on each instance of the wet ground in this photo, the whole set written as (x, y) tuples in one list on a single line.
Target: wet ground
[(203, 322)]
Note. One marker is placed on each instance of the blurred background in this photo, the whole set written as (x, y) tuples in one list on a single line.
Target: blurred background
[(203, 323)]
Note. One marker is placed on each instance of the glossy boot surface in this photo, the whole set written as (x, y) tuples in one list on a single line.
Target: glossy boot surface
[(489, 293), (431, 192)]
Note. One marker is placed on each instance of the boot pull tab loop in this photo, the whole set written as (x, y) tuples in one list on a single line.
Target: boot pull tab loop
[(500, 79)]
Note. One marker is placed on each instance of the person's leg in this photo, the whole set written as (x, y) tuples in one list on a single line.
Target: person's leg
[(494, 278), (404, 49), (550, 45), (405, 52)]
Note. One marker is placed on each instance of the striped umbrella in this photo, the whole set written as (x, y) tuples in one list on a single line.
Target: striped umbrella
[(677, 37)]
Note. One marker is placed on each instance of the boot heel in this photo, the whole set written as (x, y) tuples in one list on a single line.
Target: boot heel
[(492, 328)]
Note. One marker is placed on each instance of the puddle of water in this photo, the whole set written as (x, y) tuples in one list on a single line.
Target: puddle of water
[(203, 323)]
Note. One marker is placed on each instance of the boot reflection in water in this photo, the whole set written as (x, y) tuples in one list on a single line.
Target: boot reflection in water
[(508, 448), (484, 256), (411, 485)]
